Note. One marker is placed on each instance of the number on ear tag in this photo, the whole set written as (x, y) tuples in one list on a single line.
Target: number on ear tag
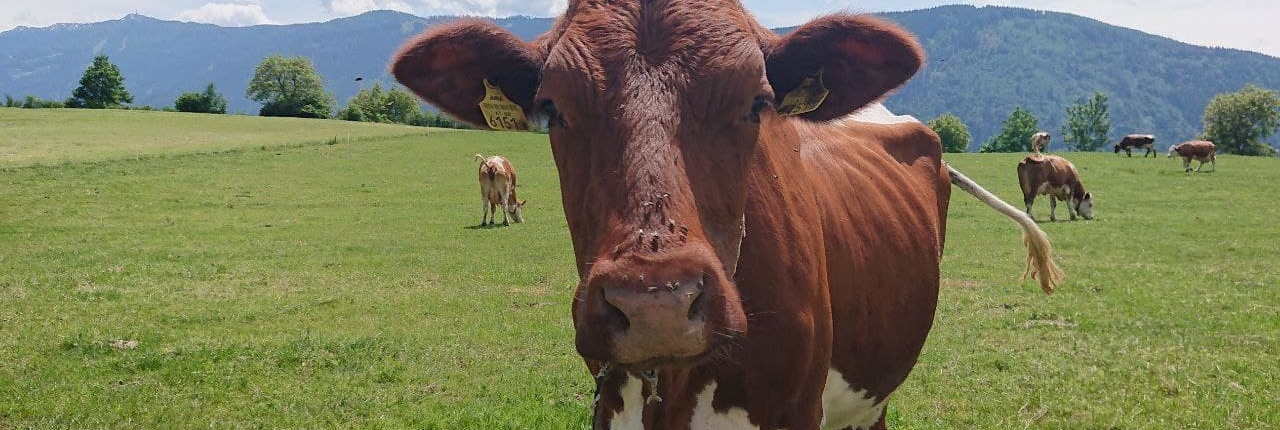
[(805, 98), (501, 113)]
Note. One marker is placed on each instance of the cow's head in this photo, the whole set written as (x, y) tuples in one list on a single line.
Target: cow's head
[(516, 209), (1083, 205), (1117, 149), (655, 111)]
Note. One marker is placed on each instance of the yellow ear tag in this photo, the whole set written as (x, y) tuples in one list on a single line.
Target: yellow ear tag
[(499, 112), (805, 98)]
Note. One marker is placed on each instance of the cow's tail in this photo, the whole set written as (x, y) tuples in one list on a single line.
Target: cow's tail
[(1040, 263), (479, 158)]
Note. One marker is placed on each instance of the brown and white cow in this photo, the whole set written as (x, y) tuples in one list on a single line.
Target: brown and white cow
[(1140, 141), (1040, 141), (1199, 150), (1054, 176), (739, 268), (498, 189)]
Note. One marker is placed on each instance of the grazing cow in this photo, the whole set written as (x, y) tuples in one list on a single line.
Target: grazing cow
[(1055, 177), (1141, 141), (1199, 150), (498, 188), (738, 268), (1040, 141)]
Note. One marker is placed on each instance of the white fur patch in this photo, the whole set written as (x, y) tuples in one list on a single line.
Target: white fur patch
[(705, 416), (843, 407), (631, 417), (876, 113)]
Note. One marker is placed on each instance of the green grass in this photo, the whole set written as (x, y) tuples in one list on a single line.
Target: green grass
[(31, 136), (290, 283)]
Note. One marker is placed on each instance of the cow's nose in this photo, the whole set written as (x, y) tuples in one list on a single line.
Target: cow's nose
[(662, 306)]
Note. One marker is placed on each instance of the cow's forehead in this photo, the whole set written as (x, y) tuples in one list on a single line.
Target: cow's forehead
[(691, 33), (601, 47)]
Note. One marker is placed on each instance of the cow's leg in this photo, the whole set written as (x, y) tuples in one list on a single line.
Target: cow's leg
[(484, 209), (1028, 201), (506, 206), (1213, 163), (1186, 164), (1128, 152), (1053, 207)]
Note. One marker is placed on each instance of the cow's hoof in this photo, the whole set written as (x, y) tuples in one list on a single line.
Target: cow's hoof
[(506, 224)]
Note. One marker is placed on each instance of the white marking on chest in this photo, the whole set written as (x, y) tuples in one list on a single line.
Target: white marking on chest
[(843, 407), (705, 416), (631, 417)]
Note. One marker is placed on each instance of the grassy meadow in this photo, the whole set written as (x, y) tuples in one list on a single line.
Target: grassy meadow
[(162, 270)]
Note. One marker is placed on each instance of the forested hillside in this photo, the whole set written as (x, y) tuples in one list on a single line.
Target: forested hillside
[(983, 62)]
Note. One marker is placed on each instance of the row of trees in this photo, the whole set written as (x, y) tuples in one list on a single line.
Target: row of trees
[(1237, 122), (286, 86)]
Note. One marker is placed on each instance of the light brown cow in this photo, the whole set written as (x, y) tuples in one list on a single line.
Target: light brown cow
[(498, 189), (1054, 176), (1039, 142), (1199, 150), (738, 268)]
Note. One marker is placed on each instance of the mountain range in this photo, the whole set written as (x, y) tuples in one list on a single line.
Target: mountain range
[(983, 62)]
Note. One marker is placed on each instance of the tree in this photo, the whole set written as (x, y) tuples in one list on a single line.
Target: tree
[(101, 87), (210, 101), (954, 134), (376, 105), (1238, 122), (1015, 134), (289, 87), (1088, 124)]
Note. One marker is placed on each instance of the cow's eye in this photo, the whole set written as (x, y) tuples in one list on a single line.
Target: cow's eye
[(759, 105), (547, 109)]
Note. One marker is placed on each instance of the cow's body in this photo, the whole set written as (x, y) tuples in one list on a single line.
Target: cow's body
[(498, 190), (739, 269), (1053, 176), (1140, 141), (1198, 150)]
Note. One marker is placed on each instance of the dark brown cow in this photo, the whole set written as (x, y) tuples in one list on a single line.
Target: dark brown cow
[(739, 269), (1055, 177), (1199, 150), (498, 190), (1141, 141)]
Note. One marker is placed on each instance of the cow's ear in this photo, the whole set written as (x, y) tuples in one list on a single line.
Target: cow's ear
[(858, 58), (448, 65)]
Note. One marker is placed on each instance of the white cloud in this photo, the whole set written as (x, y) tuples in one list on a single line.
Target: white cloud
[(226, 14), (356, 7)]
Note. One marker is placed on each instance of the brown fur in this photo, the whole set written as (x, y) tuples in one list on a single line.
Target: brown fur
[(1199, 150), (1054, 176), (1142, 141), (713, 237)]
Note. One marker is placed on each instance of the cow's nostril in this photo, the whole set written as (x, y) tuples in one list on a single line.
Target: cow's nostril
[(697, 309), (615, 318)]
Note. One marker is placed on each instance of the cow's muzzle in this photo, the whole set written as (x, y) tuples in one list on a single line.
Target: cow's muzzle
[(664, 309)]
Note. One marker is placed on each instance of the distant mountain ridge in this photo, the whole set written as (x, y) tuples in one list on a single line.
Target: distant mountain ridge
[(982, 63)]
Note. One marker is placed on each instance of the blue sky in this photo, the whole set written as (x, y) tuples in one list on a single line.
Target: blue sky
[(1242, 24)]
